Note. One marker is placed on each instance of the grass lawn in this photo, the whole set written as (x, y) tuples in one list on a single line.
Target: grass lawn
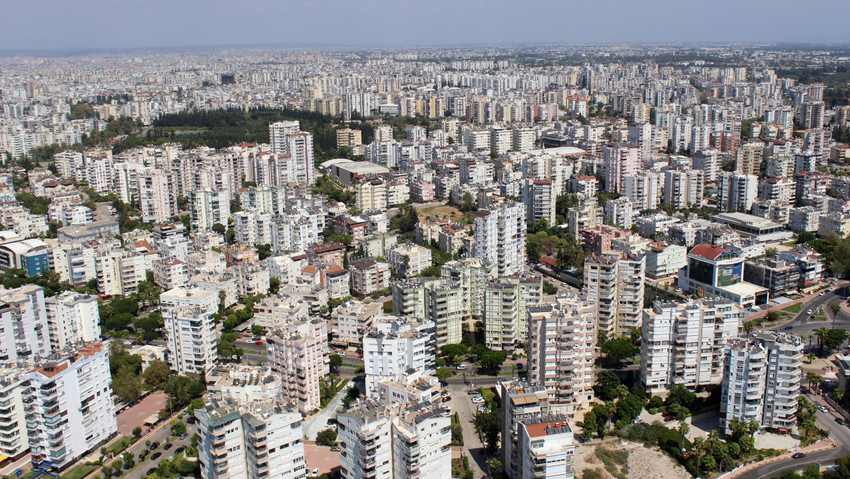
[(794, 308), (119, 446), (818, 317), (80, 471)]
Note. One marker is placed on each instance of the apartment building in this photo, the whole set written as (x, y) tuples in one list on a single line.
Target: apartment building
[(170, 273), (471, 275), (500, 237), (397, 350), (191, 340), (520, 401), (561, 352), (644, 189), (276, 310), (506, 302), (664, 260), (350, 320), (547, 447), (157, 198), (242, 440), (737, 192), (72, 318), (761, 381), (619, 212), (409, 259), (539, 199), (620, 162), (371, 194), (683, 187), (69, 409), (208, 207), (368, 276), (614, 282), (15, 440), (684, 343), (298, 352)]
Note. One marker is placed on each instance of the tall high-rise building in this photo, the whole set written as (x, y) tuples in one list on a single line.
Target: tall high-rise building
[(208, 207), (561, 344), (614, 282), (300, 168), (397, 350), (683, 187), (685, 343), (539, 199), (239, 440), (644, 190), (500, 237), (761, 381), (72, 318), (547, 447), (72, 411), (157, 200), (278, 132), (737, 192), (506, 302), (24, 331), (298, 352), (620, 161), (190, 337)]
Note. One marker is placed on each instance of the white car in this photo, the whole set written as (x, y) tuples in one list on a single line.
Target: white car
[(483, 409), (809, 312), (477, 400), (461, 367), (823, 409)]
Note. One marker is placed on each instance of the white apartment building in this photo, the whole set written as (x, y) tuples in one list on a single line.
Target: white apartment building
[(242, 440), (539, 199), (685, 343), (368, 276), (191, 339), (170, 273), (737, 192), (683, 188), (664, 260), (74, 263), (614, 282), (619, 212), (397, 350), (278, 132), (253, 227), (276, 310), (804, 218), (520, 401), (500, 233), (72, 318), (298, 352), (523, 139), (500, 140), (300, 167), (561, 352), (157, 200), (761, 381), (14, 441), (350, 320), (71, 406), (709, 162), (620, 162), (24, 331), (439, 301), (471, 275), (409, 259), (208, 207), (506, 301), (547, 448), (398, 442), (644, 190)]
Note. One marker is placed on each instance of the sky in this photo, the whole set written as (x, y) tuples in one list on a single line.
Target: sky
[(122, 24)]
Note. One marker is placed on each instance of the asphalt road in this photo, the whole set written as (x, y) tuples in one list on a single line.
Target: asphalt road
[(839, 434), (139, 471), (801, 326), (461, 403)]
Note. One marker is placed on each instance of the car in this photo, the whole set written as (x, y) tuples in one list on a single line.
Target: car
[(461, 367), (444, 393), (477, 400), (335, 448), (332, 421), (316, 471), (447, 398), (483, 409), (823, 409), (786, 328), (798, 455), (128, 465), (154, 445), (150, 471), (184, 436), (809, 312), (259, 343), (840, 421), (167, 446), (179, 449), (520, 366), (156, 456), (822, 293), (473, 392)]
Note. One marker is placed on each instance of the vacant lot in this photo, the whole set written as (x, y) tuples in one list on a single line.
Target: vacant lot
[(643, 463), (443, 211)]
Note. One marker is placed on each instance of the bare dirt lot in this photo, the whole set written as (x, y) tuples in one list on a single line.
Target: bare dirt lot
[(643, 463)]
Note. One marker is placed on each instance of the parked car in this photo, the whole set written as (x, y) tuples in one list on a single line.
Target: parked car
[(798, 455), (823, 409), (154, 445), (483, 409), (461, 367), (788, 327), (447, 398), (809, 312), (156, 456), (840, 421), (477, 400), (167, 446)]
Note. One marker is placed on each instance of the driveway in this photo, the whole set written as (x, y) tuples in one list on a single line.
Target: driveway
[(319, 422)]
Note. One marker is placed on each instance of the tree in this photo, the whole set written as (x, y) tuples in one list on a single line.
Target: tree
[(334, 362), (589, 425), (444, 373), (814, 380), (219, 228), (493, 360), (469, 203), (684, 428), (326, 437), (137, 431), (549, 288), (453, 352), (177, 428), (835, 338), (274, 284), (257, 330), (157, 373), (619, 349)]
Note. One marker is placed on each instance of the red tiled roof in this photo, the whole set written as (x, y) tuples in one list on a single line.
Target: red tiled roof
[(708, 251)]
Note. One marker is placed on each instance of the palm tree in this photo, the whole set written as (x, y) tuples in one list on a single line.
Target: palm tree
[(811, 357), (699, 448), (814, 379), (821, 335), (748, 326), (684, 428)]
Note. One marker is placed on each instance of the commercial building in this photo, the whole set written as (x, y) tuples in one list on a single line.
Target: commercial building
[(716, 271), (684, 343), (779, 276), (761, 381)]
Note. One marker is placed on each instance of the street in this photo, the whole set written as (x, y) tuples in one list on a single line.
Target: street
[(839, 434), (160, 435), (461, 404), (801, 326)]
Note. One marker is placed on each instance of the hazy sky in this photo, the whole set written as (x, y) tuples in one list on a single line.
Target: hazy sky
[(63, 24)]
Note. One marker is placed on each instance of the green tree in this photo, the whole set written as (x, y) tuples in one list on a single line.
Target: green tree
[(326, 437), (493, 360), (444, 373), (619, 349), (334, 362), (157, 373)]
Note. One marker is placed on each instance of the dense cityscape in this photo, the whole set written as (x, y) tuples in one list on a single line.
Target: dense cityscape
[(544, 261)]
